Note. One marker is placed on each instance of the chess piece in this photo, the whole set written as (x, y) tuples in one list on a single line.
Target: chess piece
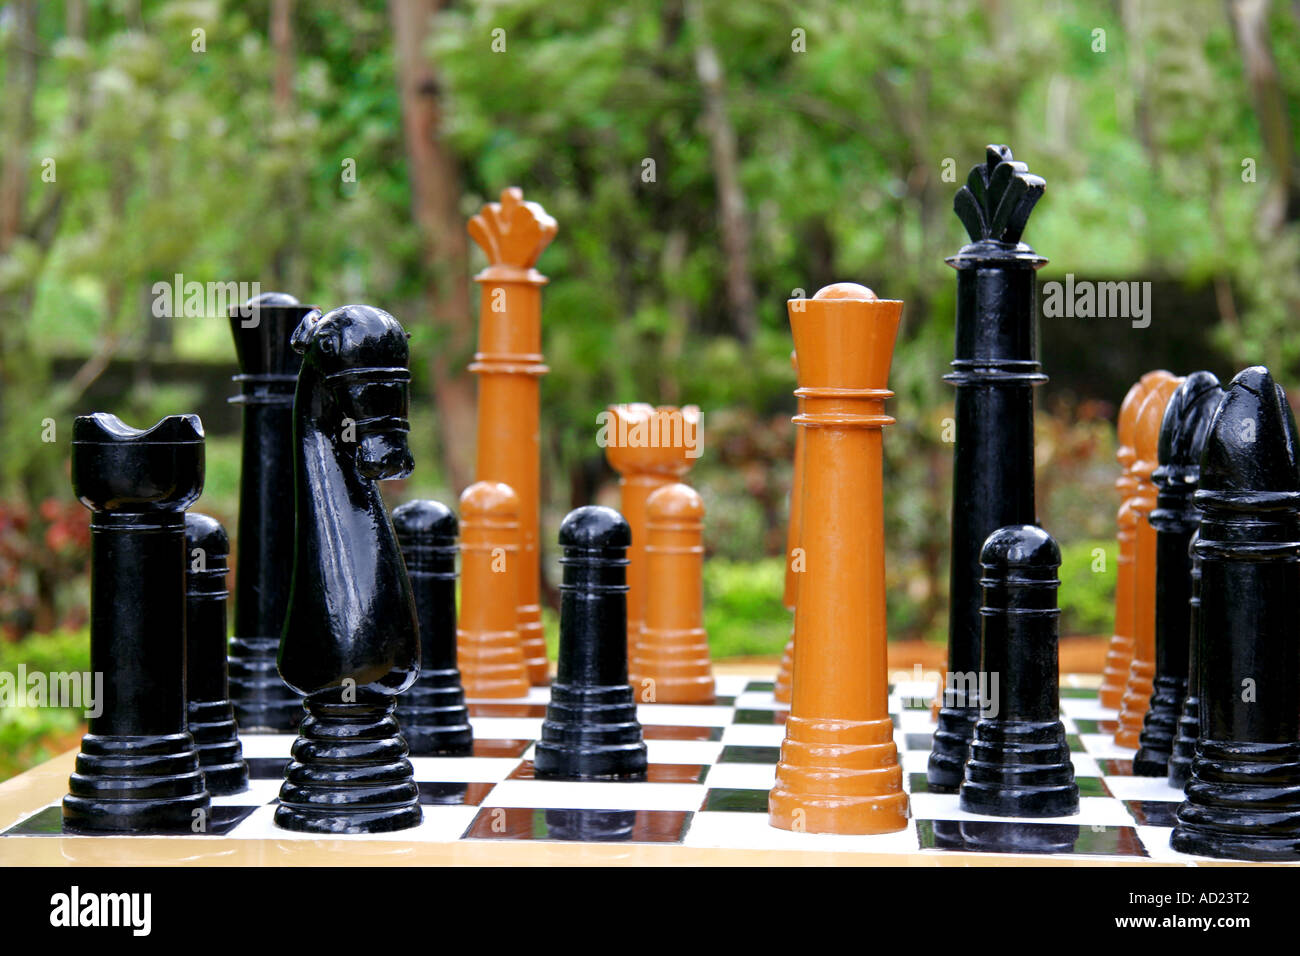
[(673, 652), (509, 364), (839, 769), (790, 596), (1243, 799), (1142, 668), (432, 713), (268, 368), (138, 770), (591, 731), (1120, 651), (649, 447), (1182, 438), (1189, 716), (1019, 762), (488, 645), (351, 640), (995, 371), (211, 716)]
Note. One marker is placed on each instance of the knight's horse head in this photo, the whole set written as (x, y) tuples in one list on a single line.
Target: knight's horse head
[(359, 356)]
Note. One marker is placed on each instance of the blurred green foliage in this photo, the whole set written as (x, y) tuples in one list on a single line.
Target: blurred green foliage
[(30, 735)]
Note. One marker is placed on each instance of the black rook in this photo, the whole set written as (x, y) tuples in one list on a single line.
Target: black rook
[(591, 731), (434, 719), (138, 770), (995, 370)]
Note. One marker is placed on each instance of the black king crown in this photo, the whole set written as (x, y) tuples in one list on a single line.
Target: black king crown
[(998, 197)]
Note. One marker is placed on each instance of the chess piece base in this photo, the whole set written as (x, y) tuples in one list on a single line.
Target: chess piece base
[(349, 772), (212, 725), (678, 663), (1119, 655), (1242, 803), (838, 776), (785, 676), (433, 716), (136, 784), (263, 702), (1159, 727), (590, 733), (534, 642), (1137, 700), (950, 747), (1020, 769), (1184, 748)]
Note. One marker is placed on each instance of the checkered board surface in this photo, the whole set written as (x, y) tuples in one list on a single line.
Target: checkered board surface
[(710, 770)]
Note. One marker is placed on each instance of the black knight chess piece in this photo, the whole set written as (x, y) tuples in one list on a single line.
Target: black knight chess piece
[(995, 370), (1019, 762), (591, 730), (138, 770), (268, 367), (1182, 439), (211, 715), (433, 715), (351, 643), (1243, 799)]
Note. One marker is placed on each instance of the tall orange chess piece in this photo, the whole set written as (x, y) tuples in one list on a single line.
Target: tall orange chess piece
[(649, 447), (489, 651), (1142, 668), (673, 652), (509, 364), (1120, 652), (790, 597), (839, 769)]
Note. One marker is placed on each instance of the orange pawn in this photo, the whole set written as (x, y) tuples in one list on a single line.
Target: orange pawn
[(509, 365), (672, 657), (1142, 669), (649, 447), (839, 770), (1120, 652), (489, 651), (790, 597)]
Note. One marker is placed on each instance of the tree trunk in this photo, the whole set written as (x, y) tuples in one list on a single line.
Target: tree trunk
[(435, 192)]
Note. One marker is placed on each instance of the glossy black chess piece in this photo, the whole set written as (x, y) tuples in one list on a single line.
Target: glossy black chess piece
[(591, 730), (268, 368), (995, 370), (433, 715), (1243, 799), (138, 770), (1182, 439), (211, 715), (1019, 762), (351, 641), (1189, 717)]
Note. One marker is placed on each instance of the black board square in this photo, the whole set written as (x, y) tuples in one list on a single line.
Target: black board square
[(266, 768), (743, 801), (1092, 787), (49, 822), (581, 826), (438, 793), (1116, 767), (759, 685), (1020, 836), (759, 716), (1078, 692), (736, 754), (1153, 813)]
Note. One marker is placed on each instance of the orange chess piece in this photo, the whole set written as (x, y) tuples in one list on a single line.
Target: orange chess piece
[(790, 597), (839, 770), (1142, 669), (672, 656), (1120, 651), (509, 364), (649, 447), (489, 651)]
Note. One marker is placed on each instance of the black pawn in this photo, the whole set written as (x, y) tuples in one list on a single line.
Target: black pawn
[(995, 371), (1182, 439), (1189, 718), (434, 719), (211, 715), (1019, 762), (1243, 799), (591, 731), (268, 367), (138, 770)]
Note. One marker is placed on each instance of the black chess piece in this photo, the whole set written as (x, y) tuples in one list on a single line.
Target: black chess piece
[(211, 715), (351, 642), (138, 770), (268, 368), (1189, 717), (433, 715), (1019, 762), (1182, 439), (591, 730), (1243, 799), (995, 370)]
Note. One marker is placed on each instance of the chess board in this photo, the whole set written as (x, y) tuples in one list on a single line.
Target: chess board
[(705, 799)]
